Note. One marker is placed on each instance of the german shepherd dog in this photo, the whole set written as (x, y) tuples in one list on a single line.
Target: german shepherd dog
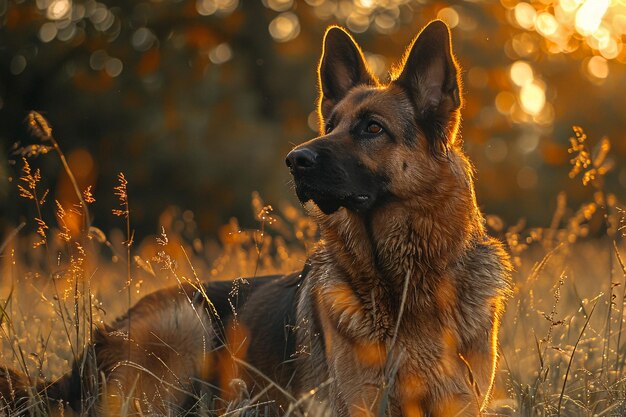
[(395, 313)]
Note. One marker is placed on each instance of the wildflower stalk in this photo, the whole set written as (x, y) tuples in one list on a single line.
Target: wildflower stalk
[(593, 166), (40, 127), (122, 195), (30, 192)]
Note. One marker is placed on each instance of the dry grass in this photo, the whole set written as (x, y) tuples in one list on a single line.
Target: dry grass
[(562, 350)]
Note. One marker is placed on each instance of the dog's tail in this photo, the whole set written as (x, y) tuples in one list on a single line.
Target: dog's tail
[(19, 393)]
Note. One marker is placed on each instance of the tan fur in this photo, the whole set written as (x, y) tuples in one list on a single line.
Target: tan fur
[(431, 234)]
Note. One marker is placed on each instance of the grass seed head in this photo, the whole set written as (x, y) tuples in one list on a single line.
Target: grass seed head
[(39, 126)]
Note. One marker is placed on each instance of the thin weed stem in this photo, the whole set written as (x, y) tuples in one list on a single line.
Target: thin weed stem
[(121, 191), (619, 362), (571, 359), (393, 366), (607, 335)]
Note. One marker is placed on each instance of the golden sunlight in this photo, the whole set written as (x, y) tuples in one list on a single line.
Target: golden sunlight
[(567, 25), (589, 16)]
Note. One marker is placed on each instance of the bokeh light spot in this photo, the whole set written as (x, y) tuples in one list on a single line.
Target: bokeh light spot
[(47, 32), (206, 7), (377, 64), (67, 33), (598, 67), (524, 45), (18, 64), (81, 162), (528, 142), (358, 22), (323, 9), (367, 4), (385, 22), (313, 121), (547, 24), (525, 15), (209, 7), (589, 16), (611, 50), (278, 5), (521, 73), (113, 67), (98, 59), (533, 98), (505, 100), (99, 15), (59, 9), (143, 39), (449, 15), (284, 27), (221, 53), (569, 5)]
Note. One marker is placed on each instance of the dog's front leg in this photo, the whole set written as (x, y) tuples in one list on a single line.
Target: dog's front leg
[(355, 361), (357, 368), (481, 357)]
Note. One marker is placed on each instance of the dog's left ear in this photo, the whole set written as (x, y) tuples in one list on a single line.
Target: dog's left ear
[(430, 75)]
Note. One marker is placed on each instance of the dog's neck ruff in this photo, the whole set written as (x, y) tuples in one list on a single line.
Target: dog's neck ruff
[(378, 249)]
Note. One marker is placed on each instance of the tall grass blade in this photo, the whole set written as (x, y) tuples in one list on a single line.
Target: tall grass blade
[(571, 359)]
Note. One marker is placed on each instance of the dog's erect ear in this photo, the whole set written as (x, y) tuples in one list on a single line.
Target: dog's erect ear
[(431, 77), (341, 68)]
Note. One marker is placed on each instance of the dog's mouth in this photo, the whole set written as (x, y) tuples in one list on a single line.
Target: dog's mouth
[(332, 182), (330, 201)]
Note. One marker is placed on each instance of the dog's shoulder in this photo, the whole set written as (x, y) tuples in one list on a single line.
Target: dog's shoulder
[(483, 283), (487, 267)]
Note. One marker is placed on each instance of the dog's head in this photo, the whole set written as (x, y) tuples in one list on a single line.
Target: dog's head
[(379, 142)]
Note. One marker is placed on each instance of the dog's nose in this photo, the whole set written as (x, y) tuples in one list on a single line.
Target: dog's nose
[(301, 159)]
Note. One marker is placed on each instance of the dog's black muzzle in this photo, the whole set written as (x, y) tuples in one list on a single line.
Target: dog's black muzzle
[(331, 179)]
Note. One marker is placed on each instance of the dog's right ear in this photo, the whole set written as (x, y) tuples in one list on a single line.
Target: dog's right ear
[(341, 68)]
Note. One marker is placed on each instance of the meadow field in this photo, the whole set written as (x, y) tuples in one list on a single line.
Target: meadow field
[(132, 136), (562, 349)]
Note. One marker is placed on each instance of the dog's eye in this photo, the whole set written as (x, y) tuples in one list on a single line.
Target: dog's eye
[(329, 128), (374, 128)]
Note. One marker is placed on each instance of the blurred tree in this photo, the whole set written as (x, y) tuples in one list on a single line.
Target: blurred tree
[(198, 101)]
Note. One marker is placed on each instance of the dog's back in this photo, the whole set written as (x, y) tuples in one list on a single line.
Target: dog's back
[(185, 348)]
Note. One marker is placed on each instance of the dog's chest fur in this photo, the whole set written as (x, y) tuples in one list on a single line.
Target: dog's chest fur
[(354, 295)]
